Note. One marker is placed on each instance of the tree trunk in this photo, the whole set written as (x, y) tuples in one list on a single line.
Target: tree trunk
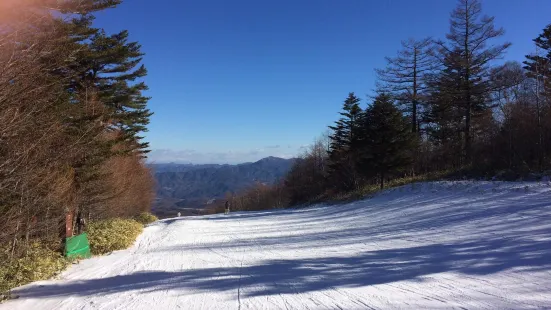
[(540, 130), (468, 142), (414, 101), (14, 243), (467, 94), (382, 181)]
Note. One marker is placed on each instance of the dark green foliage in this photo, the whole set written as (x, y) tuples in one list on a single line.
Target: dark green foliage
[(114, 79), (387, 140), (105, 104), (111, 66), (345, 129), (444, 115), (83, 7), (342, 156)]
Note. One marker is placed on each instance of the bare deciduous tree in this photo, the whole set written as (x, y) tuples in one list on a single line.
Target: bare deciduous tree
[(404, 76)]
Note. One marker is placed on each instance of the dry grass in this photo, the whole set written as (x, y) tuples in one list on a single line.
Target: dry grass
[(38, 262), (370, 189), (145, 218)]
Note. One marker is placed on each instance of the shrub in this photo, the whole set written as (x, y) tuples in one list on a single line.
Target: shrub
[(113, 234), (37, 263), (145, 218)]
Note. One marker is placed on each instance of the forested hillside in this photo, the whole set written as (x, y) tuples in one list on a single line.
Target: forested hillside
[(453, 106), (72, 112)]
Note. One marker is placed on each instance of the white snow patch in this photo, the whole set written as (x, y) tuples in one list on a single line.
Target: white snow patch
[(441, 245)]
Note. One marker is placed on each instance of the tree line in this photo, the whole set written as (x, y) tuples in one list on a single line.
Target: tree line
[(441, 105), (72, 115)]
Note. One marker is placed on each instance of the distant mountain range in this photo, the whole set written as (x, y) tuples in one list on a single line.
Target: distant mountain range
[(187, 187)]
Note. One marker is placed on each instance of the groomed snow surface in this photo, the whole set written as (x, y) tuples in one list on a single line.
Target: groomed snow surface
[(443, 245)]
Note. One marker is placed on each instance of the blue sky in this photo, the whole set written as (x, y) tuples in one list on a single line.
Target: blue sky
[(235, 81)]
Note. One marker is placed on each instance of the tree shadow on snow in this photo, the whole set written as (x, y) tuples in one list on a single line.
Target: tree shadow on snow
[(496, 232), (506, 218), (308, 275)]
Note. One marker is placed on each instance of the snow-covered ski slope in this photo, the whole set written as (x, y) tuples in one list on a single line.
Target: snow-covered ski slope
[(443, 245)]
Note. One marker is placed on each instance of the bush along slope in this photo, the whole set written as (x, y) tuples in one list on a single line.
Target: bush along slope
[(42, 261), (38, 263), (113, 234), (145, 218)]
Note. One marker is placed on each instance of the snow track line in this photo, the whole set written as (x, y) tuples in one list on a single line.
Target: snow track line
[(239, 287), (240, 271)]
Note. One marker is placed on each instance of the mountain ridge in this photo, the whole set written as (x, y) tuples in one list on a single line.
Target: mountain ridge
[(185, 186)]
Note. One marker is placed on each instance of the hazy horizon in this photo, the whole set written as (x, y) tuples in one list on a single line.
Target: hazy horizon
[(224, 158)]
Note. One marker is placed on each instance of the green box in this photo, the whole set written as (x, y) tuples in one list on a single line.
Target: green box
[(77, 247)]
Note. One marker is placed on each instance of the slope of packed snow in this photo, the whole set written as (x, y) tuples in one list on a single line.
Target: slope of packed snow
[(443, 245)]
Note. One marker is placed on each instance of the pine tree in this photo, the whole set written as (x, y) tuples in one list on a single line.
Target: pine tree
[(342, 170), (468, 39), (106, 102), (387, 142), (444, 116), (111, 65)]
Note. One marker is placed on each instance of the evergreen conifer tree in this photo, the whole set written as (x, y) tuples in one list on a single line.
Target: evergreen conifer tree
[(387, 140), (342, 159), (110, 66)]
